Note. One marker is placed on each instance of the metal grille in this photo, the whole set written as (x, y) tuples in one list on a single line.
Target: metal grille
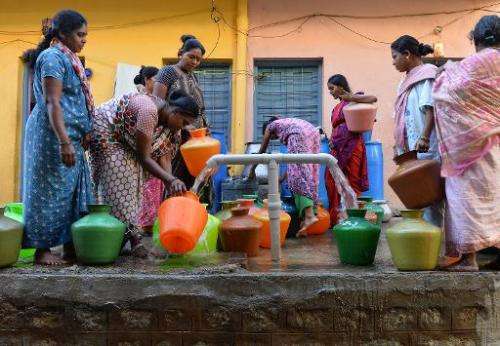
[(215, 82), (292, 90)]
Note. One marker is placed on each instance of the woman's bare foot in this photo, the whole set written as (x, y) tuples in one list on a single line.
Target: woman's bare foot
[(447, 261), (69, 253), (47, 258), (308, 221), (468, 263)]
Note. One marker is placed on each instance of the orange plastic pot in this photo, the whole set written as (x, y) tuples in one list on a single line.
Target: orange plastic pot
[(182, 220), (265, 233), (198, 150), (323, 223)]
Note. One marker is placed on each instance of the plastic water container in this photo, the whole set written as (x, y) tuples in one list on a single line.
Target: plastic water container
[(375, 158), (182, 220), (15, 211), (221, 174)]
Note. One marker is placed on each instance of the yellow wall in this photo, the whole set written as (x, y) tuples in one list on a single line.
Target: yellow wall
[(145, 42)]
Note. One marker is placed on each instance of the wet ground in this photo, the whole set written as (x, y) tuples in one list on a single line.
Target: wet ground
[(315, 254)]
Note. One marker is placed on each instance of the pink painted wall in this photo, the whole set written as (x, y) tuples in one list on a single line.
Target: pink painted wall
[(367, 65)]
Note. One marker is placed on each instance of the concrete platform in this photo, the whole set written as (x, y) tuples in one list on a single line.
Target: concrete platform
[(310, 298)]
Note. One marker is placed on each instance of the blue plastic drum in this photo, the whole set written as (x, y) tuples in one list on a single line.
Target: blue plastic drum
[(375, 158)]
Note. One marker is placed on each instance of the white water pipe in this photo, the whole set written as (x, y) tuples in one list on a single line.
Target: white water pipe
[(273, 160)]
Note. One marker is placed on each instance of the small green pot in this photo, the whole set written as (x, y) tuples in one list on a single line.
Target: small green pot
[(98, 236), (356, 238), (373, 208)]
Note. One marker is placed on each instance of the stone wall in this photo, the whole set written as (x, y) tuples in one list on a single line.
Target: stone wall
[(253, 309)]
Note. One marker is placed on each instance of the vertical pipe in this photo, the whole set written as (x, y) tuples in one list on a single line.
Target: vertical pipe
[(274, 209), (240, 79)]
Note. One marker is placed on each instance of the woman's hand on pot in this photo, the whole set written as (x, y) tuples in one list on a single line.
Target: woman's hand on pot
[(177, 187), (68, 154)]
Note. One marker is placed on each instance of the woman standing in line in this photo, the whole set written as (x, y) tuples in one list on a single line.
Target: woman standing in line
[(56, 178), (414, 111), (467, 96), (346, 146), (180, 76)]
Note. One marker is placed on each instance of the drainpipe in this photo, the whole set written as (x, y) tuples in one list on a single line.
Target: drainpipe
[(240, 79), (273, 160)]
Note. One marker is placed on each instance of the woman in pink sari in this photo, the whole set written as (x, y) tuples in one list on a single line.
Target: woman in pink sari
[(467, 101)]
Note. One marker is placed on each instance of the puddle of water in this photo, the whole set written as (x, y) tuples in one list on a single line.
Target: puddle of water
[(186, 262)]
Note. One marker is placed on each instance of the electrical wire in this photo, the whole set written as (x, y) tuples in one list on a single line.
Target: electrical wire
[(406, 15), (216, 20), (355, 32)]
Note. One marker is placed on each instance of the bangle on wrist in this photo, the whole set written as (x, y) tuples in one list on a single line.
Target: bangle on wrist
[(65, 142)]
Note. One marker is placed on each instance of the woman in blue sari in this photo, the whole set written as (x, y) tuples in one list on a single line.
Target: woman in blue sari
[(56, 176)]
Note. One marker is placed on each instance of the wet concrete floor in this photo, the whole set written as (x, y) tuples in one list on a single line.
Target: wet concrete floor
[(315, 254)]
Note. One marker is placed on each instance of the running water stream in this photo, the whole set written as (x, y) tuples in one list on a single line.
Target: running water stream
[(202, 179), (347, 194)]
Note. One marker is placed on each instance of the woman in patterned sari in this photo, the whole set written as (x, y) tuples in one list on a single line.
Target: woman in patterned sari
[(300, 137), (139, 133), (346, 146), (467, 101), (152, 191), (56, 182)]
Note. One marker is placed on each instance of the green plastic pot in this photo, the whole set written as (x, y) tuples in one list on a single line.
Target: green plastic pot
[(207, 243), (11, 237), (414, 243), (15, 211), (373, 208), (356, 238), (98, 236)]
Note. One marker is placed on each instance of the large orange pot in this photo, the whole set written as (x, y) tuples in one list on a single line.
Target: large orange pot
[(198, 150), (323, 223), (182, 220), (417, 183), (359, 117), (265, 233)]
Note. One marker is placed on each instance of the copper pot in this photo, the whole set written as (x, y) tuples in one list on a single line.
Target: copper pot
[(417, 183), (240, 233)]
